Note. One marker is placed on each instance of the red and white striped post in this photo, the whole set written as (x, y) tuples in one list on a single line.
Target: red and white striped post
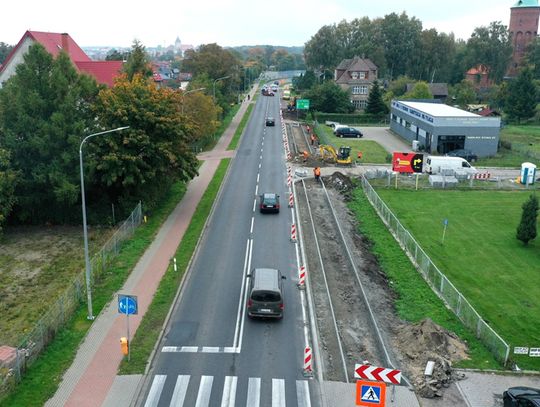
[(302, 277), (293, 233), (291, 200), (308, 365), (289, 180)]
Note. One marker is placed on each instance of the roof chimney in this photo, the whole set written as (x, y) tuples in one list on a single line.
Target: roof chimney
[(65, 42)]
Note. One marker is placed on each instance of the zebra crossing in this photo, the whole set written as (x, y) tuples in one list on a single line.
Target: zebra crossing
[(185, 384)]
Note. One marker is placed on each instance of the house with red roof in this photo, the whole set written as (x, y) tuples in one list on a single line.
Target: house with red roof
[(104, 72)]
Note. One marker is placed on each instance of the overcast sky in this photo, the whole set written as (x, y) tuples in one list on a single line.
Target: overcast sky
[(229, 22)]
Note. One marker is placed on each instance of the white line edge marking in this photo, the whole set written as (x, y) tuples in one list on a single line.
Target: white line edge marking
[(155, 390), (180, 390), (240, 300), (229, 391), (252, 223), (254, 392), (245, 297), (203, 397)]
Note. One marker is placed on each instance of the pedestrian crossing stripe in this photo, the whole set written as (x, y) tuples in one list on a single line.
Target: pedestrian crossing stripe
[(370, 394), (201, 388)]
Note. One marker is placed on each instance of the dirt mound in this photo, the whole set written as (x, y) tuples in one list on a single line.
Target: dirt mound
[(341, 183), (427, 341)]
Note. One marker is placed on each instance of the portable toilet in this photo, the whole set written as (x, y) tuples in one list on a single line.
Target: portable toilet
[(528, 173)]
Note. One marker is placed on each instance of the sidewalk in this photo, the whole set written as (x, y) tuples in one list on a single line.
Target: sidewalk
[(91, 380)]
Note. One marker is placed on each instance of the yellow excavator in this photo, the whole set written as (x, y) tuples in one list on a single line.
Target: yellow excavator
[(340, 157)]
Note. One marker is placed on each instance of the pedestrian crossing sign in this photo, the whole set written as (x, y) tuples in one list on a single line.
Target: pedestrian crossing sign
[(370, 394)]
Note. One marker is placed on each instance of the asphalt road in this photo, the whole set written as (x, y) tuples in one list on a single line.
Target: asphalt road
[(211, 353)]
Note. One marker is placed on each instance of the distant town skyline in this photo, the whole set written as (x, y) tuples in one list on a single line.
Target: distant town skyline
[(232, 23)]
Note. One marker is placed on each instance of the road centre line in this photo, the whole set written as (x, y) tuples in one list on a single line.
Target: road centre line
[(258, 175), (252, 222), (254, 202), (244, 300)]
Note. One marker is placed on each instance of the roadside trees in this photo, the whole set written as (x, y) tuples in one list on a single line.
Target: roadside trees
[(526, 230)]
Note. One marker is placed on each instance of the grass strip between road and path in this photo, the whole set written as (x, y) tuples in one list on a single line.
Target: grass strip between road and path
[(240, 129), (415, 300), (146, 336), (41, 380)]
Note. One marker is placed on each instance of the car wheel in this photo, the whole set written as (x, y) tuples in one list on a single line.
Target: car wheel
[(358, 136), (341, 136)]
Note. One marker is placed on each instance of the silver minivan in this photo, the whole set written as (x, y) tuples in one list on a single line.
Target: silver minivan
[(265, 295)]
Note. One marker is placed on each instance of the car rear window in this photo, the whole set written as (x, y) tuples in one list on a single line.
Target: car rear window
[(265, 296)]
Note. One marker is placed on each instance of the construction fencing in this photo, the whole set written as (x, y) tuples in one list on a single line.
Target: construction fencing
[(64, 308), (437, 280)]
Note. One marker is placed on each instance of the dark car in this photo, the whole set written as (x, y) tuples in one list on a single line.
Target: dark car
[(269, 202), (466, 154), (521, 397), (348, 132), (270, 121)]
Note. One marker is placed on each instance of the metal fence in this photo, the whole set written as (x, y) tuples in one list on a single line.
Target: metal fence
[(64, 308), (437, 280)]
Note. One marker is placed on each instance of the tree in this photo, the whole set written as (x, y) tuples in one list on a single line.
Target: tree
[(492, 47), (420, 90), (322, 51), (463, 93), (304, 81), (8, 180), (329, 98), (4, 51), (532, 57), (45, 110), (521, 98), (138, 62), (375, 104), (526, 230), (141, 162)]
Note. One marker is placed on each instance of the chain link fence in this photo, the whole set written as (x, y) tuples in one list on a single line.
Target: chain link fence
[(437, 280), (64, 308)]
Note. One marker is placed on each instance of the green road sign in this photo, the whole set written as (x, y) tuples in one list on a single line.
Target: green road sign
[(302, 104)]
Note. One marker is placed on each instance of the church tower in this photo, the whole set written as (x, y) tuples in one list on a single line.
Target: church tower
[(523, 29)]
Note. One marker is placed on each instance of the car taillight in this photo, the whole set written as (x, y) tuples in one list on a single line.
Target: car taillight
[(281, 306), (250, 303), (277, 206)]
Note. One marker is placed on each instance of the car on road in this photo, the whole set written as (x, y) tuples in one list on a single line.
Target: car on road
[(265, 293), (521, 396), (270, 121), (462, 153), (348, 132), (269, 202)]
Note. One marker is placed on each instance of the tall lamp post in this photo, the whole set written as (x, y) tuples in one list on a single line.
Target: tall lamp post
[(86, 258), (186, 92), (214, 85)]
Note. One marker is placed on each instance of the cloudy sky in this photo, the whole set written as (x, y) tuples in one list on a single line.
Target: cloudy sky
[(229, 22)]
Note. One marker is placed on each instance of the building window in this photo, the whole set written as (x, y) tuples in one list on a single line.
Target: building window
[(356, 90), (363, 90), (362, 104), (361, 75), (354, 75)]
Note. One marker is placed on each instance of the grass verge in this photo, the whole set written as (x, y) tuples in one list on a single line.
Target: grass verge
[(239, 130), (480, 255), (415, 299), (43, 377), (148, 332)]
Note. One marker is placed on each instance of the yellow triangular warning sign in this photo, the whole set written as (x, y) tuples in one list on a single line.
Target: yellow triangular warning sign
[(370, 395)]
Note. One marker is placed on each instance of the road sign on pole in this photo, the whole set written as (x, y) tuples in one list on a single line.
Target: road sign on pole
[(302, 104), (370, 394), (127, 304), (379, 374)]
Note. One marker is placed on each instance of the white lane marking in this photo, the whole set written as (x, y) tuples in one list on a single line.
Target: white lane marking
[(243, 319), (260, 157), (241, 300), (260, 164), (302, 393), (278, 393), (254, 392), (203, 397), (229, 391), (210, 349), (155, 390), (256, 189), (180, 390), (252, 222), (254, 203), (258, 176)]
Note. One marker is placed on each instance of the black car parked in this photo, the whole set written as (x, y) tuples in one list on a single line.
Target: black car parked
[(466, 154), (521, 397), (348, 132)]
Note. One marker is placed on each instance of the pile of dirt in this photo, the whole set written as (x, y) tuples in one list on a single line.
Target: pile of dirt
[(341, 183), (427, 341)]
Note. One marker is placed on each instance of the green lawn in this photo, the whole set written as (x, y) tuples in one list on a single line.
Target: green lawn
[(372, 152), (480, 255)]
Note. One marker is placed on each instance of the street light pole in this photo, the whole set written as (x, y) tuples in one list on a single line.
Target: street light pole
[(185, 93), (214, 85), (86, 258)]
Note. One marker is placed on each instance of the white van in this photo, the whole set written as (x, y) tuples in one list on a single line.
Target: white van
[(436, 165)]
